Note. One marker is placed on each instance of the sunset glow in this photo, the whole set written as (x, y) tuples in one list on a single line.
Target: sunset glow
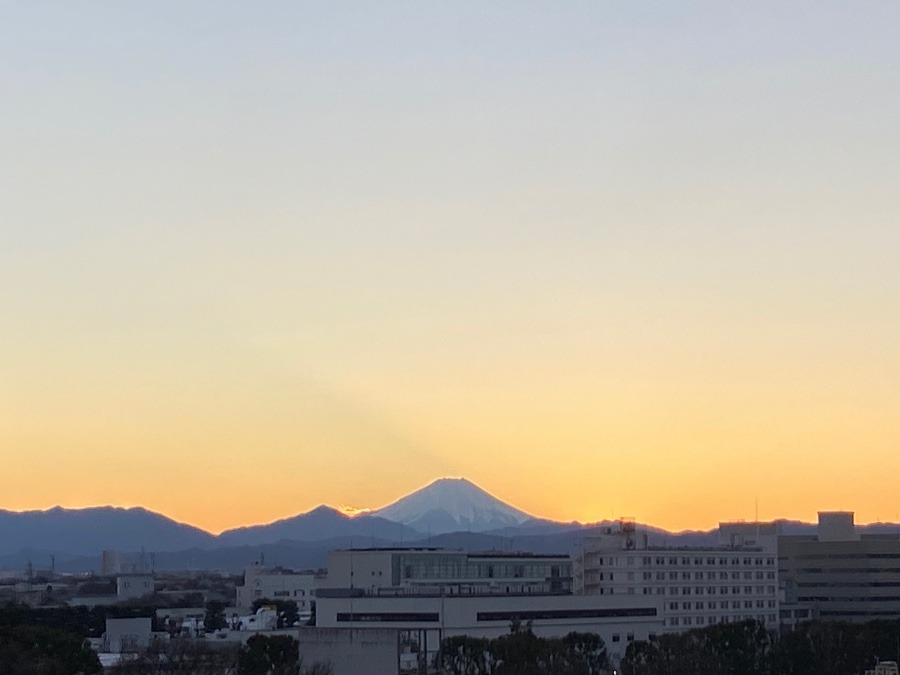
[(253, 262)]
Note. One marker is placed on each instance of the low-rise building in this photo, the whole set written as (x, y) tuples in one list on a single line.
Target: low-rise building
[(424, 620), (278, 583), (132, 586)]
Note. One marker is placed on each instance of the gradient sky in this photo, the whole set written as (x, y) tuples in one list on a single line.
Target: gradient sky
[(602, 259)]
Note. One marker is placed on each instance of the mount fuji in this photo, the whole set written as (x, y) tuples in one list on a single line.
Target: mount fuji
[(452, 505)]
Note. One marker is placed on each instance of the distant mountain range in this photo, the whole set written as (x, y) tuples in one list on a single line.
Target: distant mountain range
[(452, 513)]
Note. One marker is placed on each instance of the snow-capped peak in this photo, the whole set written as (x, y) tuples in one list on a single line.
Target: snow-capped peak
[(452, 504)]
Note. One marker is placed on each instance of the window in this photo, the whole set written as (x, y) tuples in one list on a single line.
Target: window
[(615, 637)]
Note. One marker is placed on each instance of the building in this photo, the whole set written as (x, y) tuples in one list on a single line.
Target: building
[(734, 580), (131, 586), (278, 583), (838, 574), (428, 594), (423, 621), (392, 571), (111, 562)]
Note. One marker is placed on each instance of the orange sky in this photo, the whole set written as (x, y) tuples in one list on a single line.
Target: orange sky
[(599, 263)]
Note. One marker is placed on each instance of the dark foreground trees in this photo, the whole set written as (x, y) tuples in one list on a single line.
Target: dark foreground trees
[(261, 655), (746, 648), (39, 650), (521, 652)]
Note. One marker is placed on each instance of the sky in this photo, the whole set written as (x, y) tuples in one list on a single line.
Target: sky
[(601, 258)]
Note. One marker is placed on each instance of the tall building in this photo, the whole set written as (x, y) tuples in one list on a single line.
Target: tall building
[(839, 574), (111, 562), (734, 580)]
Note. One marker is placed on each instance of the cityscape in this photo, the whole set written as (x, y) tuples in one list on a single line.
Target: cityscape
[(364, 603), (449, 337)]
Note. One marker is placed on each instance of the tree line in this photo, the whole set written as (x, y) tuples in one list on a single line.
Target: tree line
[(747, 648)]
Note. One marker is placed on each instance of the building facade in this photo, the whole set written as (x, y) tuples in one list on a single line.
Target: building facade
[(395, 571), (732, 581), (838, 574), (424, 620), (278, 583)]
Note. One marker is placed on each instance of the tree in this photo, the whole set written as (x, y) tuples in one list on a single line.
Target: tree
[(38, 650), (215, 616), (464, 655), (269, 655), (182, 656)]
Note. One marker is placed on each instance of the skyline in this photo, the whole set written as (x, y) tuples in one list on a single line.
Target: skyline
[(354, 512), (600, 260)]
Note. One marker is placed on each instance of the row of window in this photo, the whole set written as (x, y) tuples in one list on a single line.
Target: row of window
[(711, 620), (696, 590), (684, 576), (722, 604), (685, 561)]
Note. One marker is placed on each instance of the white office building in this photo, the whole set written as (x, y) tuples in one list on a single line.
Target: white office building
[(736, 579)]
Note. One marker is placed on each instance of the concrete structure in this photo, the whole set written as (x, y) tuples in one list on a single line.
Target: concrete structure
[(839, 574), (732, 581), (374, 651), (126, 635), (132, 586), (884, 668), (111, 562), (424, 620), (394, 571), (278, 583)]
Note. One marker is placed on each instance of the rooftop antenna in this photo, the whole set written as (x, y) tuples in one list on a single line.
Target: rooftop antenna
[(756, 519)]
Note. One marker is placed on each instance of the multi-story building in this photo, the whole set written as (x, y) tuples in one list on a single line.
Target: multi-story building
[(428, 594), (423, 621), (278, 583), (839, 574), (734, 580), (393, 571)]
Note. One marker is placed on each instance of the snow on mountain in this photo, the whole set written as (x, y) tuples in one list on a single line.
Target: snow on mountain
[(452, 504)]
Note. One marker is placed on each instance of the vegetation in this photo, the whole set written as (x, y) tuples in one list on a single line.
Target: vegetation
[(39, 650), (746, 648), (81, 621), (521, 652), (270, 655), (215, 616), (182, 656)]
